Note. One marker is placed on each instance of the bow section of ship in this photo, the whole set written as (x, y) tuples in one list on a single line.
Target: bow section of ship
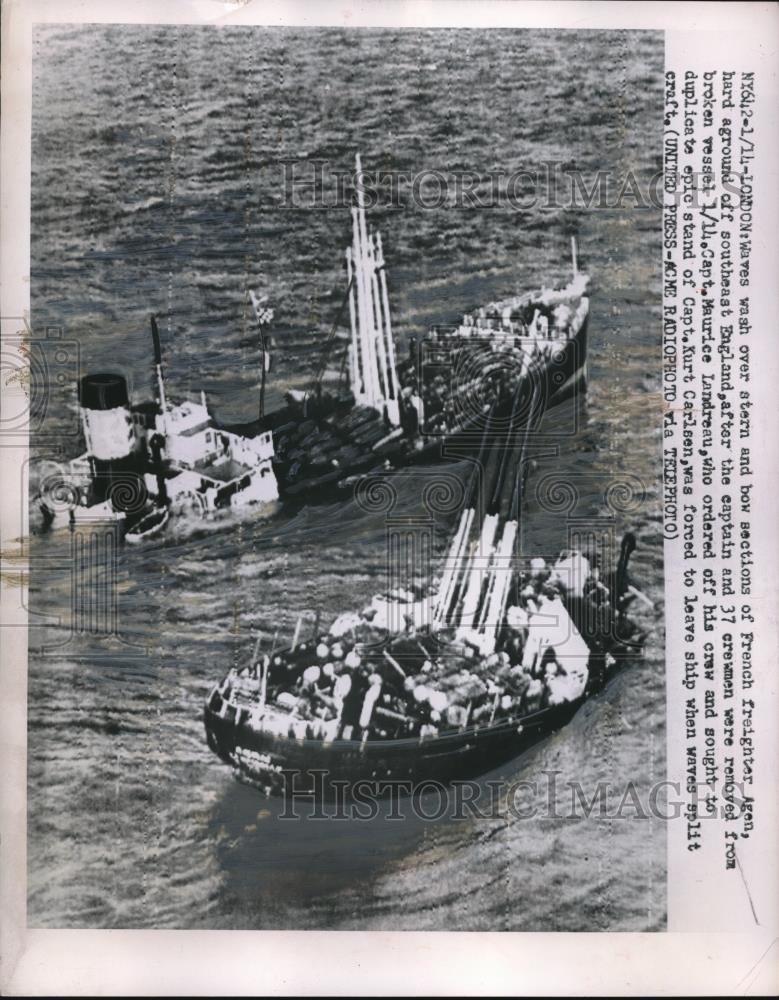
[(446, 684)]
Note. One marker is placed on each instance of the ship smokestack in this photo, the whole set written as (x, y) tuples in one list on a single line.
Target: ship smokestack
[(109, 434)]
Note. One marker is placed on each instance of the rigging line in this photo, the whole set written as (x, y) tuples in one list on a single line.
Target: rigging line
[(328, 346), (504, 454), (518, 489), (263, 367), (470, 496)]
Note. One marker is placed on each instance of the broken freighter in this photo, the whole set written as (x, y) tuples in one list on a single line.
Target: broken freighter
[(441, 685), (391, 414), (145, 461)]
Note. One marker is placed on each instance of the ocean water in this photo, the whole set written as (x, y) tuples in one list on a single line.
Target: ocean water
[(158, 186)]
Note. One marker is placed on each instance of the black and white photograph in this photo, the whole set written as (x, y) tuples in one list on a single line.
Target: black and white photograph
[(358, 511), (389, 465)]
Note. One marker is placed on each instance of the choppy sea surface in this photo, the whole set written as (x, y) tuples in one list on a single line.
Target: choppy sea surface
[(158, 185)]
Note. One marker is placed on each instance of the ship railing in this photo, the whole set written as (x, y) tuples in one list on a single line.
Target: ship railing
[(443, 329)]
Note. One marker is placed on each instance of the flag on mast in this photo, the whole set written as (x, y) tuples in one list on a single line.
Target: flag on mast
[(264, 316)]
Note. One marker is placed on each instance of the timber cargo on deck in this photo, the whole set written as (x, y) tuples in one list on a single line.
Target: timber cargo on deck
[(441, 684), (148, 461), (385, 414)]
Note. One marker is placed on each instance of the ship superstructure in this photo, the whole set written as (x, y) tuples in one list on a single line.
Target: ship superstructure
[(147, 460)]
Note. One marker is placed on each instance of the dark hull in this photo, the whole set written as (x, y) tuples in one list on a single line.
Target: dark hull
[(270, 761)]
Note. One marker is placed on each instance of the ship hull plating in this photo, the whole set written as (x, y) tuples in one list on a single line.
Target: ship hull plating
[(271, 762), (278, 764)]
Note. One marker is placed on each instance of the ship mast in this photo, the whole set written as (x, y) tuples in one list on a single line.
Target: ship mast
[(372, 371), (488, 549), (155, 334), (264, 315), (501, 570), (458, 550), (475, 585)]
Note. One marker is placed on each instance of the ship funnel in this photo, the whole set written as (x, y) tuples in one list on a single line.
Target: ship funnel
[(108, 431), (104, 391)]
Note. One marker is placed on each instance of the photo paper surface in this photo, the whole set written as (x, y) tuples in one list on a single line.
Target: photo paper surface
[(389, 479)]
